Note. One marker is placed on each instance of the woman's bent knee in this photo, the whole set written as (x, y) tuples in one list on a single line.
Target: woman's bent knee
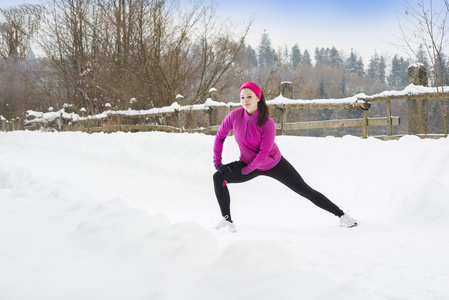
[(218, 177)]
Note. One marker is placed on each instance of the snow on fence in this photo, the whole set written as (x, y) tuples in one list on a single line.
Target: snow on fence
[(207, 117), (204, 118)]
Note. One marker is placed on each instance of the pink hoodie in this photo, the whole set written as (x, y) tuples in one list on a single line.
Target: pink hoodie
[(257, 147)]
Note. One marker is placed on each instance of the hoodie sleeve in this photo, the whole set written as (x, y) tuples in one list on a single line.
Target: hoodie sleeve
[(220, 137), (266, 144)]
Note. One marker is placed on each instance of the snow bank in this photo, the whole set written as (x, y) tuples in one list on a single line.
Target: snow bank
[(131, 216)]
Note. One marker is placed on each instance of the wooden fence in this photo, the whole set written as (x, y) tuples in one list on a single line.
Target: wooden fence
[(207, 117), (11, 125)]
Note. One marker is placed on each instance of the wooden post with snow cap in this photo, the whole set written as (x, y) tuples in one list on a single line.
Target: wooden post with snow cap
[(83, 123), (18, 125), (286, 91), (365, 124), (180, 99), (214, 111), (180, 113), (214, 95), (60, 125), (417, 108)]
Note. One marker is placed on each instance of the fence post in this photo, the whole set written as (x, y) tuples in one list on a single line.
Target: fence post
[(180, 114), (83, 123), (417, 108), (365, 124), (286, 89), (216, 112), (18, 124), (61, 126), (389, 122), (164, 121), (214, 94), (281, 118), (213, 116)]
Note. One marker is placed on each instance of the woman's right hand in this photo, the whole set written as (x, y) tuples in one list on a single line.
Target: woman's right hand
[(224, 169)]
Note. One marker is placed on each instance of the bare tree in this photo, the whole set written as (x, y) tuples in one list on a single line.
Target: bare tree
[(16, 33), (109, 51), (66, 43), (426, 25)]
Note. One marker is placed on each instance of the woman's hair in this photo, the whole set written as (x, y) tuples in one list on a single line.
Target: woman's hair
[(263, 111)]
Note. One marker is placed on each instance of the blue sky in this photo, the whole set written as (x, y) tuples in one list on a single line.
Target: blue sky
[(365, 26)]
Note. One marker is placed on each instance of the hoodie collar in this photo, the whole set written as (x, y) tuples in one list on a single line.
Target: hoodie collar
[(254, 116)]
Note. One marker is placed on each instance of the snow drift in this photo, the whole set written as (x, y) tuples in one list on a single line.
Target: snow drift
[(131, 216)]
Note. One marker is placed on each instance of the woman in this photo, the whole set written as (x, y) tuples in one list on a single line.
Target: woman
[(254, 133)]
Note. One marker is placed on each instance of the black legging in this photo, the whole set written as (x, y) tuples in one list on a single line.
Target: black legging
[(283, 172)]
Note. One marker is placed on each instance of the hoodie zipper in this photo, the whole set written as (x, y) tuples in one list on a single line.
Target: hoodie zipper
[(246, 133)]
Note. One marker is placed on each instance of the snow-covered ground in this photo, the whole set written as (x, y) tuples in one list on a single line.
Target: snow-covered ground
[(131, 216)]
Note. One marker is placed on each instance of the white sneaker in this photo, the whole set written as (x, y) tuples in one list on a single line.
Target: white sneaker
[(347, 221), (226, 224)]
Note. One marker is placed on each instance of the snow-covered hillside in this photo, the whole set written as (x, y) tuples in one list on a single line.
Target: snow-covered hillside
[(131, 216)]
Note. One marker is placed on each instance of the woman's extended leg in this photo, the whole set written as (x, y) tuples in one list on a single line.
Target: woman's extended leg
[(287, 174)]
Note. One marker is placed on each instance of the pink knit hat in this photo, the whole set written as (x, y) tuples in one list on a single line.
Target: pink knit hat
[(253, 87)]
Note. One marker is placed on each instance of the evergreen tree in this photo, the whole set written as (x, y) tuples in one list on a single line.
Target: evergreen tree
[(322, 91), (335, 59), (327, 56), (343, 88), (441, 71), (398, 77), (318, 56), (381, 69), (351, 64), (296, 56), (252, 56), (393, 80), (373, 66), (360, 67), (306, 60), (266, 54), (376, 68), (403, 76), (422, 57), (322, 56), (286, 56)]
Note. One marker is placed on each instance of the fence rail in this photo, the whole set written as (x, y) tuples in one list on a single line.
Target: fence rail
[(207, 117)]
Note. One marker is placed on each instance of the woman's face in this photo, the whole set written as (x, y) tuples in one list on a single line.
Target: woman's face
[(249, 100)]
